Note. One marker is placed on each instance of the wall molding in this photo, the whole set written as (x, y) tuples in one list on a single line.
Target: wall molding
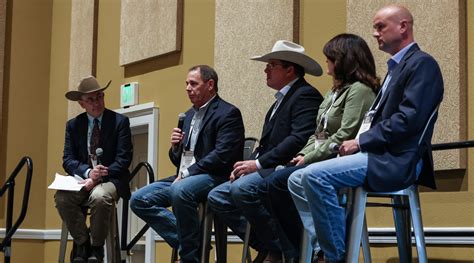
[(382, 235)]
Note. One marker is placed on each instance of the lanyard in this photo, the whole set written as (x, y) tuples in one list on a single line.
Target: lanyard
[(189, 144), (325, 115)]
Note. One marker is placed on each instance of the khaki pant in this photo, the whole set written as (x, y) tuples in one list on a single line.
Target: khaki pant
[(100, 200)]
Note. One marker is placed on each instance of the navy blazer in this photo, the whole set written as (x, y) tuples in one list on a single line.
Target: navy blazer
[(414, 92), (220, 142), (284, 135), (115, 140)]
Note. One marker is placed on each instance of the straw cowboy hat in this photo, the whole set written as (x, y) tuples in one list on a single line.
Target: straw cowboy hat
[(87, 85), (292, 52)]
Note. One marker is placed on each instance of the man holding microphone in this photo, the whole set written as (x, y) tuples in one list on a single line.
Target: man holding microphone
[(204, 150), (98, 148)]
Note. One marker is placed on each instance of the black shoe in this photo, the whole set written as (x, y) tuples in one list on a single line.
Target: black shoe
[(80, 253), (97, 255), (260, 257)]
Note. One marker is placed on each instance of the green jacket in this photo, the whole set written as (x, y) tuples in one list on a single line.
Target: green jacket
[(344, 119)]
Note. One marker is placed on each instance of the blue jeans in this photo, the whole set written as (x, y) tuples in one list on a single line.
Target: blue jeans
[(180, 228), (301, 202), (237, 201), (277, 200), (320, 183)]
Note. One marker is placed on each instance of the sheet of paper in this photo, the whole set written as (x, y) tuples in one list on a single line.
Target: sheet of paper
[(66, 182)]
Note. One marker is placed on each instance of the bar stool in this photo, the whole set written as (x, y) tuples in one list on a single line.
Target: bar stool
[(406, 205), (220, 229), (111, 242), (346, 197), (220, 233), (206, 218), (246, 257), (307, 249)]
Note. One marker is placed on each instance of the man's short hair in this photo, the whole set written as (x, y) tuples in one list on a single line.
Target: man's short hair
[(299, 70), (207, 73)]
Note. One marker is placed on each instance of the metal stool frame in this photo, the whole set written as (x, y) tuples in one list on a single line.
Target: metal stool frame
[(112, 240)]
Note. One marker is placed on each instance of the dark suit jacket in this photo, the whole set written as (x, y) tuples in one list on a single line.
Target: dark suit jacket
[(115, 140), (415, 90), (284, 135), (220, 142)]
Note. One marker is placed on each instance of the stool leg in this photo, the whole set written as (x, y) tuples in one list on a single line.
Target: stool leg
[(306, 248), (206, 229), (415, 210), (220, 230), (117, 250), (401, 218), (63, 243), (366, 243), (111, 238), (245, 249), (124, 232), (174, 252), (174, 255), (356, 225)]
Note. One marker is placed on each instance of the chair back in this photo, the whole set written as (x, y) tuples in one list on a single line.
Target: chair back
[(249, 147), (430, 123)]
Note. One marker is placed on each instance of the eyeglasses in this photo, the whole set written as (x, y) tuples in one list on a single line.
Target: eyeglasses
[(92, 99), (272, 65)]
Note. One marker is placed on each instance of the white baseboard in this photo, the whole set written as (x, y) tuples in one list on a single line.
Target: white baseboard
[(433, 235)]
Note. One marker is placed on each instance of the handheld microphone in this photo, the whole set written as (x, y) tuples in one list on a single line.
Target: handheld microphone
[(334, 147), (98, 153), (181, 118)]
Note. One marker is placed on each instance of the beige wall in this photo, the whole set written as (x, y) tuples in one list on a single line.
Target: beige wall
[(26, 113), (469, 182), (320, 21), (27, 99), (37, 109)]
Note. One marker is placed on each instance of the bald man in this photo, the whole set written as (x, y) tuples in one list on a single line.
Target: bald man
[(390, 152)]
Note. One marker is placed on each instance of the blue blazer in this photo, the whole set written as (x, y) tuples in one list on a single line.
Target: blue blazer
[(115, 140), (415, 90), (220, 142), (284, 135)]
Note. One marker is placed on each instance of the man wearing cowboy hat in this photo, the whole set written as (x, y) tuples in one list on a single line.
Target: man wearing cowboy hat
[(105, 177), (288, 125)]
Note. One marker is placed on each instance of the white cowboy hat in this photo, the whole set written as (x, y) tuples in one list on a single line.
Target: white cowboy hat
[(292, 52), (87, 85)]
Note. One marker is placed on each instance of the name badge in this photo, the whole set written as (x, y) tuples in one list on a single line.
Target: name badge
[(321, 137), (365, 126), (187, 159)]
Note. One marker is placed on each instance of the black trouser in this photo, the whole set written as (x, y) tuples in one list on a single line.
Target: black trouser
[(277, 199)]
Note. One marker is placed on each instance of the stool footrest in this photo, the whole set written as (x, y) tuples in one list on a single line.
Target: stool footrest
[(372, 204)]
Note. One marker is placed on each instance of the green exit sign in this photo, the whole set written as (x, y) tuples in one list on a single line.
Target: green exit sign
[(129, 94)]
